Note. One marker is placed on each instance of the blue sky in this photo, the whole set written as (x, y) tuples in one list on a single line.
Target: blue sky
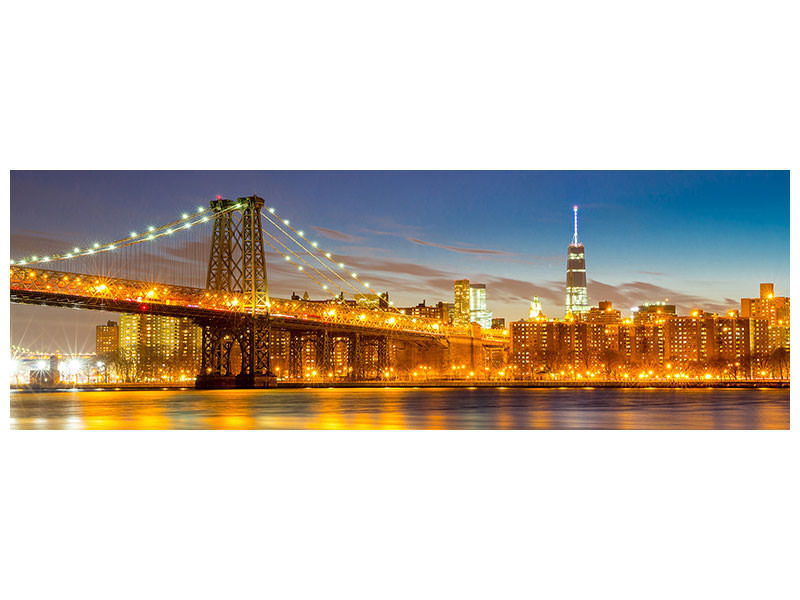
[(699, 238)]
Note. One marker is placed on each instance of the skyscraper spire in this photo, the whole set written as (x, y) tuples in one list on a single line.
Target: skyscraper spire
[(575, 220)]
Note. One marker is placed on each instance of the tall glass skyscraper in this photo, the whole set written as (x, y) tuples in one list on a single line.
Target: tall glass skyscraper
[(478, 311), (462, 303), (577, 298)]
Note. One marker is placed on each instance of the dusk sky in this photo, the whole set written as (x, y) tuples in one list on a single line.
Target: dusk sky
[(702, 239)]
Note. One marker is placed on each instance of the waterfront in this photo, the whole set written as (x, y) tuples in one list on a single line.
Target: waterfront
[(403, 408)]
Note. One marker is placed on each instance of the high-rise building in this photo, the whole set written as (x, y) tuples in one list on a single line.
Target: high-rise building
[(653, 312), (461, 316), (767, 306), (106, 338), (498, 323), (577, 298), (604, 313), (478, 313), (153, 347)]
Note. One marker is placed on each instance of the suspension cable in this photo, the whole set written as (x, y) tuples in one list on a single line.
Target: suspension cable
[(310, 253), (299, 267)]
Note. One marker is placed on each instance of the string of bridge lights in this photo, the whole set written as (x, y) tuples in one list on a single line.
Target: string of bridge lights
[(322, 253), (186, 221), (288, 258)]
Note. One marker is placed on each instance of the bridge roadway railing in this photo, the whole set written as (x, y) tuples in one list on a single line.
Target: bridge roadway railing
[(95, 291)]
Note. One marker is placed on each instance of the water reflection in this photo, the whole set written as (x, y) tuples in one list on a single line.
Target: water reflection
[(403, 408)]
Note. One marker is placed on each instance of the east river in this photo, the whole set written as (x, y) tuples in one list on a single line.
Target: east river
[(403, 408)]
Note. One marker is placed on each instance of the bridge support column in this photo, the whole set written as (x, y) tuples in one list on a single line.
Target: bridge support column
[(219, 337), (382, 344), (324, 353), (215, 360), (356, 357), (295, 355), (254, 341)]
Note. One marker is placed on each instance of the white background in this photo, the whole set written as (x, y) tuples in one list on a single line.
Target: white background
[(367, 85)]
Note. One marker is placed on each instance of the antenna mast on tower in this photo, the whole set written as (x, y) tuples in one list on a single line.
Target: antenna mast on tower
[(575, 219)]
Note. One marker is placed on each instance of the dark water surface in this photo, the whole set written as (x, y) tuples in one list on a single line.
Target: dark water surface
[(403, 408)]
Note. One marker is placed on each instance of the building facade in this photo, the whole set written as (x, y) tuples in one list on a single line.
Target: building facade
[(461, 316), (156, 348), (478, 311), (106, 338), (767, 306)]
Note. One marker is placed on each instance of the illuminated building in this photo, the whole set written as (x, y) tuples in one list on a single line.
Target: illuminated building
[(461, 316), (604, 313), (528, 345), (153, 347), (446, 311), (767, 306), (647, 344), (778, 337), (685, 339), (478, 312), (657, 344), (279, 351), (421, 310), (535, 309), (577, 298), (498, 323), (652, 312), (107, 338), (545, 346)]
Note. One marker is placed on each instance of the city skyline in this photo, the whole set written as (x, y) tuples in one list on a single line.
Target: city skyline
[(697, 214)]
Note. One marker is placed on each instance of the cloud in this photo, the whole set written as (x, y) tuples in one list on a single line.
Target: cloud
[(335, 235), (506, 289), (394, 267), (25, 244), (458, 249), (634, 293)]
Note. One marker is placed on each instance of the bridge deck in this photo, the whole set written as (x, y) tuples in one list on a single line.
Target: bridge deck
[(74, 290)]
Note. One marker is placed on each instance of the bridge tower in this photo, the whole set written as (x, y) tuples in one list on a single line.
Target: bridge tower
[(236, 264)]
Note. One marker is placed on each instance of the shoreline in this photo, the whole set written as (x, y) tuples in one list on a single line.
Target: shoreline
[(583, 385)]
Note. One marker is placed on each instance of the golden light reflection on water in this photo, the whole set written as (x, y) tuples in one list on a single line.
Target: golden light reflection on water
[(402, 408)]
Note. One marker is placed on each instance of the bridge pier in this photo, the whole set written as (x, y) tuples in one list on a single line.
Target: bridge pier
[(219, 336)]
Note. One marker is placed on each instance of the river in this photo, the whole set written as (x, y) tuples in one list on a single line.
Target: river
[(403, 408)]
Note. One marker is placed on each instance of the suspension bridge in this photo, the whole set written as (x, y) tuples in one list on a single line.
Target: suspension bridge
[(234, 308)]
